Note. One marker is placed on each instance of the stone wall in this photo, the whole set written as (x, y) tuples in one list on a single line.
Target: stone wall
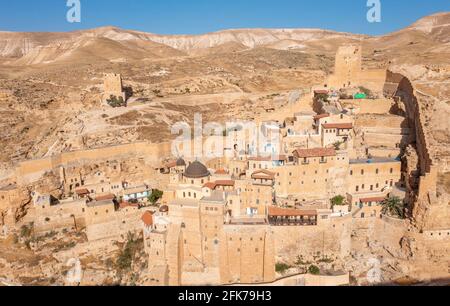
[(112, 86), (425, 206), (369, 106), (28, 171), (330, 238), (247, 255)]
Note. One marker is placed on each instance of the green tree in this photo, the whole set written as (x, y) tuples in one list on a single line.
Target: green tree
[(366, 91), (26, 231), (393, 206), (128, 253), (338, 200), (113, 101), (155, 196), (314, 270), (281, 267)]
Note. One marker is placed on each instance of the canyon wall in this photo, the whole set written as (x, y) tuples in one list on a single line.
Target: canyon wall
[(427, 210)]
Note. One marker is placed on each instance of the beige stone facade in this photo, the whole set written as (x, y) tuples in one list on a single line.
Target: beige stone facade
[(112, 86)]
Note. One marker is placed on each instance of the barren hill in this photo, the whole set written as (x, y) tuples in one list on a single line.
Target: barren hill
[(54, 80)]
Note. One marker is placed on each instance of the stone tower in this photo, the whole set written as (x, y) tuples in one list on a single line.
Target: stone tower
[(348, 66), (112, 86)]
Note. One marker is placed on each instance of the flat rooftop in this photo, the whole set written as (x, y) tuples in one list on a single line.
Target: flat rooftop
[(184, 203), (375, 160), (100, 203)]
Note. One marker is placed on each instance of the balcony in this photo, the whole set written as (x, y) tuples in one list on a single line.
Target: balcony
[(292, 221)]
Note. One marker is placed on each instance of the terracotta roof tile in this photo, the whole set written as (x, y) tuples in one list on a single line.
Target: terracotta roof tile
[(346, 126), (147, 218), (321, 91), (321, 116), (373, 199), (225, 183), (221, 172), (171, 164), (127, 204), (317, 152), (105, 197), (210, 185), (83, 191)]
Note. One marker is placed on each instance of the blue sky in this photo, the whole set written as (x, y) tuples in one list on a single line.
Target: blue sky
[(202, 16)]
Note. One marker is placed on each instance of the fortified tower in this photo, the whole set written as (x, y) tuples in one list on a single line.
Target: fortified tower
[(112, 86), (348, 65)]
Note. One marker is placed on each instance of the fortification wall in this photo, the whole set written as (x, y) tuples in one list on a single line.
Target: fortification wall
[(372, 106), (246, 255), (373, 79), (425, 204), (330, 238), (28, 171), (385, 140)]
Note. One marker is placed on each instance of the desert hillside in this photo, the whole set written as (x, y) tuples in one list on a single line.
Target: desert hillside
[(51, 82)]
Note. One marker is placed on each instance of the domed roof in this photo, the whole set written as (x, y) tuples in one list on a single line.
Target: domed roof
[(196, 170), (181, 162)]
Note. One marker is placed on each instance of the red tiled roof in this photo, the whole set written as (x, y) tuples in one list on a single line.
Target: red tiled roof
[(147, 218), (105, 197), (225, 183), (171, 164), (321, 116), (127, 204), (321, 91), (317, 152), (374, 199), (345, 126), (213, 185), (83, 191), (210, 185), (221, 172), (263, 174), (283, 212)]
